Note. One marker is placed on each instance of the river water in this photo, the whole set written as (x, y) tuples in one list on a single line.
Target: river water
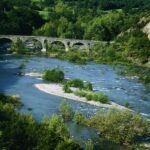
[(103, 77)]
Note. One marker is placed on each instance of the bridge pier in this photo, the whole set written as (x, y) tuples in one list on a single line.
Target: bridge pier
[(66, 46), (43, 45)]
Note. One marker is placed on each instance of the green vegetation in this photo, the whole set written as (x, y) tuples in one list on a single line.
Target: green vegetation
[(136, 71), (66, 88), (84, 90), (72, 56), (88, 86), (14, 100), (89, 145), (22, 132), (71, 19), (119, 126), (29, 108), (66, 110), (98, 97), (122, 127), (19, 47), (54, 75), (79, 118), (127, 104), (78, 83)]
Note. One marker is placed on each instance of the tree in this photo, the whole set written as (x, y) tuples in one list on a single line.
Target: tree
[(54, 75), (89, 145), (53, 131), (63, 27), (123, 127), (68, 144), (105, 27), (19, 47), (66, 110), (48, 29), (79, 118), (24, 18), (88, 86)]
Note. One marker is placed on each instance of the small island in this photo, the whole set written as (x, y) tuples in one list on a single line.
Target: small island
[(76, 89)]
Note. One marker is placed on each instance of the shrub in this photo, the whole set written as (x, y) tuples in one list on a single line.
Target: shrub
[(127, 104), (145, 79), (80, 93), (66, 88), (68, 144), (100, 97), (54, 75), (89, 145), (79, 118), (19, 47), (76, 58), (77, 83), (123, 127), (89, 96), (66, 110), (88, 86)]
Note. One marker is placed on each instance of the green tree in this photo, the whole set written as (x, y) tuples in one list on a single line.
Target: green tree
[(89, 145), (68, 144), (19, 47), (88, 86), (53, 131), (48, 29), (63, 27), (79, 118), (122, 127), (54, 75), (66, 110), (105, 27)]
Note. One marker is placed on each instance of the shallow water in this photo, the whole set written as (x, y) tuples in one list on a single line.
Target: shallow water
[(103, 77)]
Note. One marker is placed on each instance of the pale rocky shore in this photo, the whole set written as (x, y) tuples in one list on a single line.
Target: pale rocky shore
[(56, 89)]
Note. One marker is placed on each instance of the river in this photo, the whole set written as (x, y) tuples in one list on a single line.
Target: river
[(103, 77)]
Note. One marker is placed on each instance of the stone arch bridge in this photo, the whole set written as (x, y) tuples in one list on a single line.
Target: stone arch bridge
[(68, 43)]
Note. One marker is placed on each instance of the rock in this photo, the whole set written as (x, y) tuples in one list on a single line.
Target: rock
[(146, 30)]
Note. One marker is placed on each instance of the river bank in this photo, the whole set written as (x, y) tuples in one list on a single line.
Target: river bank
[(56, 89)]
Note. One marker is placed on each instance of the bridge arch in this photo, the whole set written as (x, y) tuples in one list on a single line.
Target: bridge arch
[(57, 45), (5, 44), (79, 45), (33, 44)]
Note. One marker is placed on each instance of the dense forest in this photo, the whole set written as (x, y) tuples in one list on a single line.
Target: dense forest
[(89, 19)]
